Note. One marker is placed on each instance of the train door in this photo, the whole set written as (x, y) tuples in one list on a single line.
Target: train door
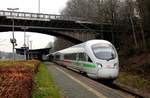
[(81, 61), (77, 61)]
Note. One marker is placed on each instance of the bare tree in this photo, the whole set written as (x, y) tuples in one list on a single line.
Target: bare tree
[(114, 12), (94, 10), (79, 8), (130, 10), (141, 21)]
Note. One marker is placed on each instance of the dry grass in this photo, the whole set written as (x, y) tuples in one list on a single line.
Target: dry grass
[(134, 81), (135, 71), (29, 63)]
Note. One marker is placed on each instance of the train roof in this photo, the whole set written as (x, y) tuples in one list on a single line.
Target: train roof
[(80, 47), (71, 50)]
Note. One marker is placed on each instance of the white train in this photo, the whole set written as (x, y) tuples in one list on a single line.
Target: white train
[(97, 58)]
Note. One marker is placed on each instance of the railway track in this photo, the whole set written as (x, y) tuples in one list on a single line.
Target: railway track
[(124, 89)]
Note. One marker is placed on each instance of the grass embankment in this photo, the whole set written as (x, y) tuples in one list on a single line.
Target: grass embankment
[(135, 72), (45, 87), (134, 81)]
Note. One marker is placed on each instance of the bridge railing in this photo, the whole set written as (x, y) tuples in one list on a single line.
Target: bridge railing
[(37, 16)]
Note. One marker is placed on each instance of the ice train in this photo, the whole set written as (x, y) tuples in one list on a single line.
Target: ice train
[(97, 58)]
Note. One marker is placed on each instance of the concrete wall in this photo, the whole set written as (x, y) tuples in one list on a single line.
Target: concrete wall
[(61, 43)]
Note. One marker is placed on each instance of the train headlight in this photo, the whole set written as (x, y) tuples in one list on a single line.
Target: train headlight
[(99, 65)]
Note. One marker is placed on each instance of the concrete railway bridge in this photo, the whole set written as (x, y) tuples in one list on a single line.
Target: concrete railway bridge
[(68, 28), (58, 25)]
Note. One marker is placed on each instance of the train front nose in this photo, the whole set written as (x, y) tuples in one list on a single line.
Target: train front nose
[(107, 73)]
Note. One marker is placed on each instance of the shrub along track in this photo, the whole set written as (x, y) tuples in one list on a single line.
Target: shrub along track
[(17, 81)]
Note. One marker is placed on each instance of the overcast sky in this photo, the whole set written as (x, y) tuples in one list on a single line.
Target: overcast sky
[(38, 40), (47, 6)]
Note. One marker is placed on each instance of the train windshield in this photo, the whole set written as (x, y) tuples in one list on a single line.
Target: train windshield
[(104, 52)]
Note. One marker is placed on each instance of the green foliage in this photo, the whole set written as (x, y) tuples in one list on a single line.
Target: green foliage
[(45, 87)]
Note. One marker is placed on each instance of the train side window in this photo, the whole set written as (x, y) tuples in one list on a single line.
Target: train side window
[(77, 56), (82, 56), (57, 57), (89, 59), (70, 56)]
